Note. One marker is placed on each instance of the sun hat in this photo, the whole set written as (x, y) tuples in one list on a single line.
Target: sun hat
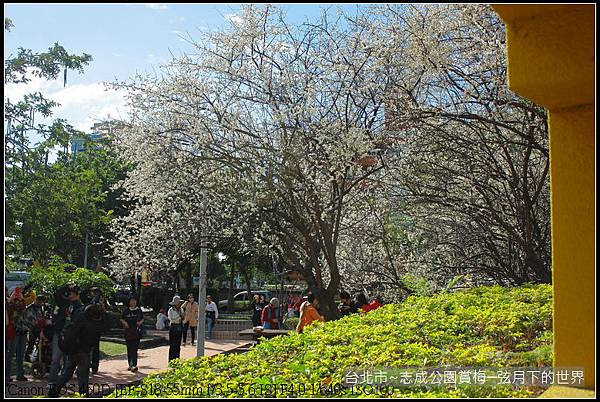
[(176, 300)]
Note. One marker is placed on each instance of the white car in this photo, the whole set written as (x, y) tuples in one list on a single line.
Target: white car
[(15, 279), (241, 300)]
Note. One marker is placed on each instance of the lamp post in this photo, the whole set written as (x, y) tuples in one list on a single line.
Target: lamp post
[(201, 300)]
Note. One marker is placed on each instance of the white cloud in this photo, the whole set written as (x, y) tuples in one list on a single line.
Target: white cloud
[(80, 104), (84, 104), (156, 6), (234, 19), (153, 59), (15, 92)]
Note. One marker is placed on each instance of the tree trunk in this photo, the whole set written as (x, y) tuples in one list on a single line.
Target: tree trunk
[(188, 277), (246, 275), (327, 305), (132, 284)]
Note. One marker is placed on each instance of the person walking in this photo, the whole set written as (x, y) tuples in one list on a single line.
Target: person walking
[(96, 298), (67, 300), (78, 339), (271, 315), (132, 319), (175, 318), (256, 306), (212, 313), (309, 313), (190, 317)]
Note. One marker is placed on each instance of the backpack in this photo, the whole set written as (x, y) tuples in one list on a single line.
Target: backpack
[(69, 339)]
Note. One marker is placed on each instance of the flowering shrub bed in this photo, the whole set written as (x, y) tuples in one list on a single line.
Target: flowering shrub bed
[(486, 326)]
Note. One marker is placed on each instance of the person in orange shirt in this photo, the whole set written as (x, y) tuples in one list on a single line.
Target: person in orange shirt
[(309, 313)]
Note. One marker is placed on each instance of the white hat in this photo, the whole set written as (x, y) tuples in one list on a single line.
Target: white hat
[(275, 302), (176, 300)]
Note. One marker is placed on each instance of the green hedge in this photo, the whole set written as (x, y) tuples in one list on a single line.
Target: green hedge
[(487, 326)]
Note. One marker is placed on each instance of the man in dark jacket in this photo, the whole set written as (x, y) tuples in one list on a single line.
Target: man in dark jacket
[(96, 298), (68, 302), (79, 338)]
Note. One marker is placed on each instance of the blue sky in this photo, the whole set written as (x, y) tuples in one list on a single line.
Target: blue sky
[(122, 38)]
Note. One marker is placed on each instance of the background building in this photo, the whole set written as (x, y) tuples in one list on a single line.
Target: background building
[(100, 130)]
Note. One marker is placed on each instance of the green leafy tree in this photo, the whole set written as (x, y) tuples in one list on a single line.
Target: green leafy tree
[(46, 280), (67, 201), (51, 207), (20, 116)]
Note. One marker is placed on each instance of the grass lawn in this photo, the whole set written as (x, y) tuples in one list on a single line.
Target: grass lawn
[(109, 349)]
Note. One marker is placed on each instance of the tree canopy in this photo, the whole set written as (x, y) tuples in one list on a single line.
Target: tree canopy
[(384, 143)]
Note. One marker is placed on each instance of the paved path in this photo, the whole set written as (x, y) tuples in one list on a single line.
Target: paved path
[(114, 370)]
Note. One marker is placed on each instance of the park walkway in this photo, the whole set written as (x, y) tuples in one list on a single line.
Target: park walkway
[(114, 370)]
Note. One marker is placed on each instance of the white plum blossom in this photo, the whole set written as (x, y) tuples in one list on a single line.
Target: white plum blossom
[(309, 142)]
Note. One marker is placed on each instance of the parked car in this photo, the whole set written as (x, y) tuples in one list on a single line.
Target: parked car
[(241, 299), (15, 279)]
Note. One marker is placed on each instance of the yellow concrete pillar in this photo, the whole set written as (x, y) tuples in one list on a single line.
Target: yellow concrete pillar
[(551, 61), (572, 191)]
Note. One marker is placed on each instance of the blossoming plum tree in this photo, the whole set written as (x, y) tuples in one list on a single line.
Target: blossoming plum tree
[(258, 137), (309, 142)]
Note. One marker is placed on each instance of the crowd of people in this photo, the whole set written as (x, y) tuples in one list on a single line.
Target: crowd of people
[(66, 338), (182, 317), (269, 315)]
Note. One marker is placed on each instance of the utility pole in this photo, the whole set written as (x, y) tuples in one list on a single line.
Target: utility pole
[(202, 300)]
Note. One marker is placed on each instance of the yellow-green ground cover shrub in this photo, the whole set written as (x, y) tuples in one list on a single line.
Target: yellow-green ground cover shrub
[(487, 326)]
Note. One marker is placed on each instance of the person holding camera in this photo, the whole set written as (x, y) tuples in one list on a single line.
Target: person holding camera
[(79, 335)]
